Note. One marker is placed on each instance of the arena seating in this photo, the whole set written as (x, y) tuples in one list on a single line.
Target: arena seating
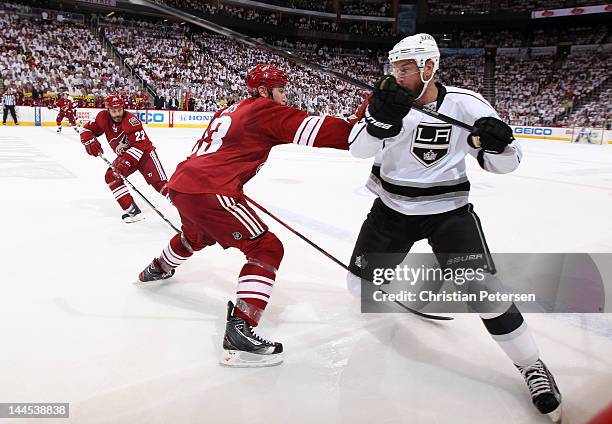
[(212, 69), (53, 56), (597, 34), (535, 91), (284, 20), (460, 7)]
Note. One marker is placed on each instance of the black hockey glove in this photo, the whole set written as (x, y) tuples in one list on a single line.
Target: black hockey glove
[(491, 135), (389, 104)]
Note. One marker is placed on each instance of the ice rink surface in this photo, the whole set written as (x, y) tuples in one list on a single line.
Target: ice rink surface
[(74, 328)]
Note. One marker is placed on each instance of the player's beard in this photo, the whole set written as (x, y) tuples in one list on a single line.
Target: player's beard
[(417, 88), (118, 120), (413, 90)]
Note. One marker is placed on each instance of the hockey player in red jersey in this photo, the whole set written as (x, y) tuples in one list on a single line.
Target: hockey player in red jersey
[(67, 110), (134, 151), (207, 190)]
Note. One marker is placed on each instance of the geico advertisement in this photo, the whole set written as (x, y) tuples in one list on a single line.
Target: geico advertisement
[(152, 117), (545, 133)]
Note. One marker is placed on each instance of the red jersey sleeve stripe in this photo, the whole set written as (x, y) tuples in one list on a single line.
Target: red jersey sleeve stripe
[(308, 131), (315, 131), (303, 126)]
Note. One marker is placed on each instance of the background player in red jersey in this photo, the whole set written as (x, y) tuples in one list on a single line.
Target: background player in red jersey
[(207, 191), (134, 151), (67, 110)]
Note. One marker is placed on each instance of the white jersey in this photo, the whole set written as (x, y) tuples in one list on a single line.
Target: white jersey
[(585, 131), (421, 171)]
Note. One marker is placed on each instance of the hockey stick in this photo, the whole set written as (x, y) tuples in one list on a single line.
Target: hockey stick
[(125, 180), (253, 42), (338, 262)]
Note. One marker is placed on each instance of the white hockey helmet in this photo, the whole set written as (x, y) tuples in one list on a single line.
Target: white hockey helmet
[(420, 48)]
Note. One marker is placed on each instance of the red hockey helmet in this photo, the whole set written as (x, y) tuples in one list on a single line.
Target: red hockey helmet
[(113, 101), (267, 75)]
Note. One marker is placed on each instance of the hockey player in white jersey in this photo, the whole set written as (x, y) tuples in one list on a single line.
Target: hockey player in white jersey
[(584, 133), (420, 179)]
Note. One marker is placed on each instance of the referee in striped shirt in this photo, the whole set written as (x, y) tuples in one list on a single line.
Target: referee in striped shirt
[(8, 99)]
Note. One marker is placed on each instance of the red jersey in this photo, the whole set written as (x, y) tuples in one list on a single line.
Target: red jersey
[(239, 138), (65, 105), (123, 136)]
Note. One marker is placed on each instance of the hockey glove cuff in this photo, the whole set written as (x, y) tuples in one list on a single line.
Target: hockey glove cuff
[(91, 143), (491, 135), (122, 165)]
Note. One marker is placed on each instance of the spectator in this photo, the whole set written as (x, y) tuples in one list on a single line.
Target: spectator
[(55, 56), (174, 104)]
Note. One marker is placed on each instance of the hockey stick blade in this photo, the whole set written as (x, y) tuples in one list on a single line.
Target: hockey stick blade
[(125, 180)]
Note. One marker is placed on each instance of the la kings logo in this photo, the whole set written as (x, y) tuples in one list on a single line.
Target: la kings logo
[(431, 142)]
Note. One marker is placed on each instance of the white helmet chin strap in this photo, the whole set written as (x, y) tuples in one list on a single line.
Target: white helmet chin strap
[(425, 83)]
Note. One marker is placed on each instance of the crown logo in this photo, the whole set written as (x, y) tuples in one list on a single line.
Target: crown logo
[(430, 155)]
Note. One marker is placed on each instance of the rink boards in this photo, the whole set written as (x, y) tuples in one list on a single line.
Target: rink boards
[(42, 116)]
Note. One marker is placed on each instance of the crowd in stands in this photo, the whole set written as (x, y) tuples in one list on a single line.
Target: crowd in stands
[(529, 91), (217, 8), (320, 48), (212, 69), (537, 91), (316, 5), (285, 20), (536, 37), (364, 8), (41, 56), (348, 7), (575, 35), (464, 71), (596, 112), (118, 20), (172, 64), (475, 7), (350, 27)]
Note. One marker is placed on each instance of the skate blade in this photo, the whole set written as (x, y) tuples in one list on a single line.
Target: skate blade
[(240, 359), (131, 219), (556, 416), (152, 283)]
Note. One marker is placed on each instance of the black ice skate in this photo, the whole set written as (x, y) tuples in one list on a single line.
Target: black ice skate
[(544, 392), (59, 129), (154, 272), (242, 347), (132, 214)]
